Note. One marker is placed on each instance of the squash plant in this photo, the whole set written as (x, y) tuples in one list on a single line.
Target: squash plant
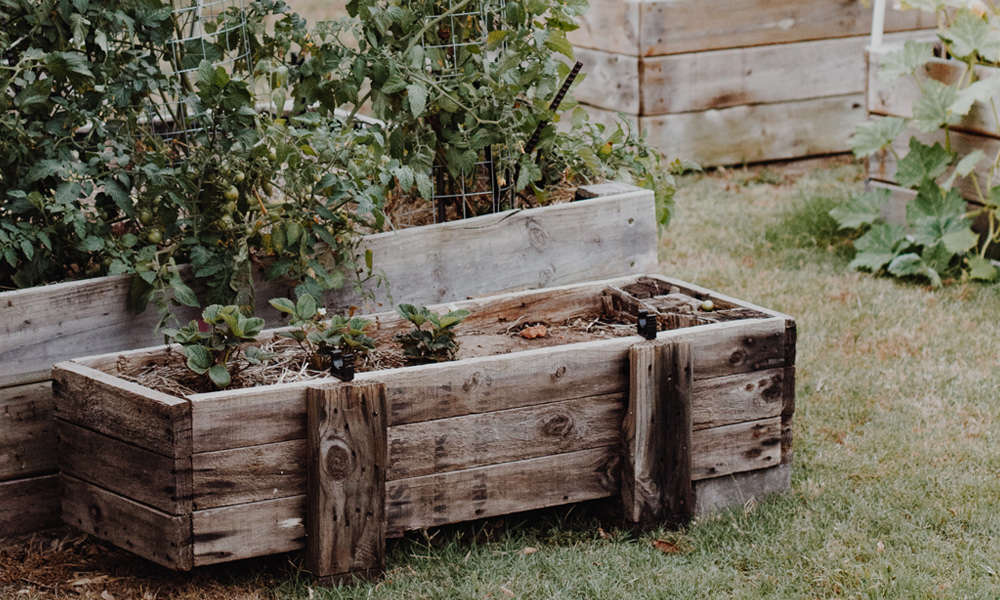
[(938, 242)]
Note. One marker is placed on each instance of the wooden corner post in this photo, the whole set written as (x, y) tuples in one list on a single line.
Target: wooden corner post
[(346, 462), (656, 436)]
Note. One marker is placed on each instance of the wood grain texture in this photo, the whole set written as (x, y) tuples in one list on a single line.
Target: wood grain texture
[(123, 410), (658, 27), (27, 435), (346, 462), (611, 81), (739, 398), (248, 530), (125, 469), (736, 448), (444, 445), (225, 420), (738, 489), (502, 489), (252, 474), (542, 247), (28, 505), (656, 436), (150, 533)]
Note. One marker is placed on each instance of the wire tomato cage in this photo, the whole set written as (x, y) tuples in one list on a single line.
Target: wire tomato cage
[(204, 30)]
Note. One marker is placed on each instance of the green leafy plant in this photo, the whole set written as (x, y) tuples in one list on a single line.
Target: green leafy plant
[(214, 345), (318, 336), (938, 242), (436, 344)]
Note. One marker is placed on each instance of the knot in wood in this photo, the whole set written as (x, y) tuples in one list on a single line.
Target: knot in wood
[(338, 461), (558, 425), (537, 236), (737, 357), (545, 277)]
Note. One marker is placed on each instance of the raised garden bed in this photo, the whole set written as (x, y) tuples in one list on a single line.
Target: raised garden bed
[(556, 245), (698, 418)]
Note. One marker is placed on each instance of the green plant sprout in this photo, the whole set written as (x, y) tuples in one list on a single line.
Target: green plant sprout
[(435, 345), (318, 336), (214, 345)]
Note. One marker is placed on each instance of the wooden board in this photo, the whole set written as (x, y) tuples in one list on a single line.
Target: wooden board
[(471, 441), (658, 27), (123, 410), (741, 134), (735, 448), (150, 533), (737, 489), (248, 530), (253, 474), (345, 498), (740, 398), (656, 436), (127, 470), (225, 420), (28, 505), (27, 437)]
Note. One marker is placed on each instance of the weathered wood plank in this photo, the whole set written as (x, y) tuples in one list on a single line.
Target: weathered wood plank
[(657, 27), (612, 81), (346, 462), (579, 241), (502, 489), (125, 469), (754, 133), (740, 398), (540, 248), (27, 435), (737, 489), (260, 528), (736, 448), (150, 533), (253, 474), (28, 505), (226, 420), (656, 436), (123, 410), (443, 445)]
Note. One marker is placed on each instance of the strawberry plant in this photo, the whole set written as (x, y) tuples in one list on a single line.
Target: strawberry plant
[(318, 336), (938, 242), (214, 345), (435, 344)]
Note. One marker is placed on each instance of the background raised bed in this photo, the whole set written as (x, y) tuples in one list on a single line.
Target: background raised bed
[(733, 81), (579, 241)]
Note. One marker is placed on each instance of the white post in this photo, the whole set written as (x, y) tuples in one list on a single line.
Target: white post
[(878, 24)]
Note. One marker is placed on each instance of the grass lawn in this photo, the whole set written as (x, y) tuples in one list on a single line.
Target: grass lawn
[(896, 480)]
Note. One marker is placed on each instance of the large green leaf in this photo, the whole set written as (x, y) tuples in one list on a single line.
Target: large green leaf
[(863, 209), (981, 91), (199, 359), (912, 265), (964, 168), (71, 66), (935, 215), (970, 34), (922, 163), (219, 376), (982, 269), (878, 247), (872, 136), (905, 61), (417, 95), (932, 110)]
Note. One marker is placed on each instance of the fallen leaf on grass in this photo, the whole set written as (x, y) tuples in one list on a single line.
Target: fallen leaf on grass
[(666, 547), (529, 550), (535, 331), (602, 534), (506, 592), (880, 547)]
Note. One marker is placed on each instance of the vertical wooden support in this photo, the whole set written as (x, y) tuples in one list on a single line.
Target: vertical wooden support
[(346, 462), (656, 436)]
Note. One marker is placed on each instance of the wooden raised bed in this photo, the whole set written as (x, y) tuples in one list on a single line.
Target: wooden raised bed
[(579, 241), (697, 419), (733, 81)]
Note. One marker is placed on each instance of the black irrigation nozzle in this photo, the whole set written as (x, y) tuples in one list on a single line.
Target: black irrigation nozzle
[(646, 325), (342, 365)]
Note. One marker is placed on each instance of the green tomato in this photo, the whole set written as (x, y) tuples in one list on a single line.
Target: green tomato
[(267, 187), (232, 194), (154, 236), (272, 155), (239, 176), (229, 208), (317, 177), (226, 221), (145, 217)]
